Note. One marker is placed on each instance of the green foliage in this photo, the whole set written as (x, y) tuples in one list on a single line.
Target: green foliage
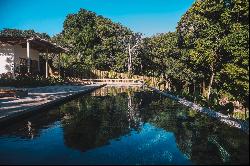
[(210, 45), (28, 80), (95, 41), (22, 33), (215, 35), (164, 57)]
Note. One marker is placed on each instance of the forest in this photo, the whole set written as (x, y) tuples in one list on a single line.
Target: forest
[(207, 55)]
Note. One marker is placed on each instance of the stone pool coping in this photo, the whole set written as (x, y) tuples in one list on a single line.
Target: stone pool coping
[(232, 122), (39, 99)]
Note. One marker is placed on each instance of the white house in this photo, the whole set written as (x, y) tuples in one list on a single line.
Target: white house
[(18, 54)]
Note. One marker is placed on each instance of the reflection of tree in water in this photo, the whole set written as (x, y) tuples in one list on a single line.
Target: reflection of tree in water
[(88, 122), (134, 118), (29, 128), (214, 143), (96, 120), (200, 138)]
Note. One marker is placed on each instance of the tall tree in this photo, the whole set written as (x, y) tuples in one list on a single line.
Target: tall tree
[(167, 59), (234, 77), (95, 41), (133, 43), (202, 31)]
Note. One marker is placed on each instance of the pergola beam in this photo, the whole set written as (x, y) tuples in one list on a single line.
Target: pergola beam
[(36, 43)]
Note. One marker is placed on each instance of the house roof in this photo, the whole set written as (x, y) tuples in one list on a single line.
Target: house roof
[(36, 43)]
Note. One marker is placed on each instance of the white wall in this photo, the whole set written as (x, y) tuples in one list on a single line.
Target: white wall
[(6, 58), (10, 54)]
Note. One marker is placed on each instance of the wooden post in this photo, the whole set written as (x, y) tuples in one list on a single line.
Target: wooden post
[(39, 68), (13, 67), (46, 65), (28, 56)]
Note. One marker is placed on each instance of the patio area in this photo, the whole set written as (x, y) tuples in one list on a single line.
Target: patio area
[(38, 98)]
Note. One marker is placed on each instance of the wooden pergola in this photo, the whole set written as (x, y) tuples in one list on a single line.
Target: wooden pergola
[(41, 45)]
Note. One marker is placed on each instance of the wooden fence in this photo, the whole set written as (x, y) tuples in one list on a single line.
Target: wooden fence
[(151, 81)]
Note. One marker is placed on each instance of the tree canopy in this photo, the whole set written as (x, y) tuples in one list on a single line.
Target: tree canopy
[(215, 35), (209, 47), (208, 50), (95, 41), (22, 33)]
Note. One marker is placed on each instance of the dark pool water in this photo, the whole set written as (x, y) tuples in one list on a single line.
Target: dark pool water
[(122, 126)]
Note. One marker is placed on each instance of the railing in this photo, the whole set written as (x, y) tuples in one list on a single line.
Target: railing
[(112, 81)]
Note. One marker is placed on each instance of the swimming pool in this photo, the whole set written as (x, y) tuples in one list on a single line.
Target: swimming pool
[(122, 126)]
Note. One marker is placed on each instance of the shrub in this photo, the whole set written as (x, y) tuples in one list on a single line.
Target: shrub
[(27, 80)]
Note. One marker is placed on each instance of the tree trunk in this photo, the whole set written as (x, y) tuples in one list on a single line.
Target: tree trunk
[(210, 85), (194, 88), (194, 94), (129, 59), (203, 88)]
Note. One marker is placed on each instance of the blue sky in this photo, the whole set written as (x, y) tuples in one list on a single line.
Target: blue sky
[(146, 16)]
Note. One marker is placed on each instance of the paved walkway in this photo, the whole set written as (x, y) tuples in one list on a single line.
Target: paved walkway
[(38, 98)]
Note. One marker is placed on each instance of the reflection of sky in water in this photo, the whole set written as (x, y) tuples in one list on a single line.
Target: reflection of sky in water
[(149, 146)]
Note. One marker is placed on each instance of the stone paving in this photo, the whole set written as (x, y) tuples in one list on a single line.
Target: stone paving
[(38, 97)]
